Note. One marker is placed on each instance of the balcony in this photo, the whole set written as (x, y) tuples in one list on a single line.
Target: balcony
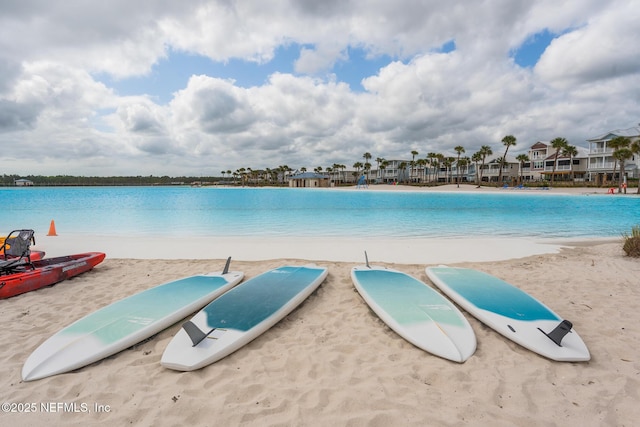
[(601, 165), (600, 150)]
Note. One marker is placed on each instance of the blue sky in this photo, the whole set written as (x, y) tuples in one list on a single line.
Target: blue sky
[(171, 74), (160, 87), (528, 54)]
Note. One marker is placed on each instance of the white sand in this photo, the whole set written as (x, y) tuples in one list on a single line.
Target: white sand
[(332, 361)]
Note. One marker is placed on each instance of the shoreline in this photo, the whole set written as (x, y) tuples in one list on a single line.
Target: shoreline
[(464, 188), (394, 250)]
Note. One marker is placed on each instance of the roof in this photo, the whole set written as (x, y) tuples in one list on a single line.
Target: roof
[(629, 133), (539, 145), (309, 175)]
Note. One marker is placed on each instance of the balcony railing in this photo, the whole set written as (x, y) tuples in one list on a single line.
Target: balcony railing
[(600, 150), (558, 168), (601, 165)]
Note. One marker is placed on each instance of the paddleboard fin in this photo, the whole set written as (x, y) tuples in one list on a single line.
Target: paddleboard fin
[(195, 333), (559, 332), (226, 266)]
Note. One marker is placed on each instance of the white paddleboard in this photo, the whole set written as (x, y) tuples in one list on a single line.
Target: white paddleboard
[(416, 312), (511, 312), (124, 323), (240, 315)]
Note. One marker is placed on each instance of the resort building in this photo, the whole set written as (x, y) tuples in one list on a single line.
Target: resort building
[(308, 180), (601, 161), (543, 163), (392, 171), (489, 172)]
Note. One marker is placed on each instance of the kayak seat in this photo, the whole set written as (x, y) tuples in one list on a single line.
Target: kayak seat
[(16, 249)]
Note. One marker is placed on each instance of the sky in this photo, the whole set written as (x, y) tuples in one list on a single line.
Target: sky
[(197, 87)]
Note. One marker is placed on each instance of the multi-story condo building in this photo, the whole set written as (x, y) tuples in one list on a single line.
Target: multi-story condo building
[(542, 157), (601, 161)]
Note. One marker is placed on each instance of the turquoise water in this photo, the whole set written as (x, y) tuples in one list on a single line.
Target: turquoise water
[(209, 211)]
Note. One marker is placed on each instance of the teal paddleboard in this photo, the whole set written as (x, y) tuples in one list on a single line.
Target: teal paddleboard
[(124, 323), (512, 312), (240, 315), (416, 312)]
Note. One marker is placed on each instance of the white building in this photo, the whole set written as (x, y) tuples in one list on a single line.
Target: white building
[(601, 161)]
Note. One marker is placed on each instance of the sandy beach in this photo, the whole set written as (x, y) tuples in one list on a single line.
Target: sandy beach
[(332, 361)]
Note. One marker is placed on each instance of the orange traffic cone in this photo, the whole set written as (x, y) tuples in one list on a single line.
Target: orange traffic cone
[(52, 229)]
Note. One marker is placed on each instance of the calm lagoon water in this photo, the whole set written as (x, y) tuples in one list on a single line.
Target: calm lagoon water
[(210, 211)]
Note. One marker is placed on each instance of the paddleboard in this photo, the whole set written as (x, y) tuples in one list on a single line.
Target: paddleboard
[(416, 312), (240, 315), (126, 322), (511, 312)]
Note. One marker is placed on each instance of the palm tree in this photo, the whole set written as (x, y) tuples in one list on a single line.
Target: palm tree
[(570, 151), (357, 166), (414, 153), (421, 163), (367, 170), (462, 164), (622, 155), (382, 167), (336, 169), (432, 160), (559, 144), (507, 141), (620, 143), (485, 151), (522, 158), (635, 149), (438, 165), (379, 161), (476, 158), (448, 162), (367, 157), (459, 149), (402, 167)]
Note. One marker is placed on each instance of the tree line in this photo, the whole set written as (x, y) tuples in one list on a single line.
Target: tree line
[(623, 149)]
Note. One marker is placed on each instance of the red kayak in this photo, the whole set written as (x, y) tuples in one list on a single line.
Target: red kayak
[(25, 277)]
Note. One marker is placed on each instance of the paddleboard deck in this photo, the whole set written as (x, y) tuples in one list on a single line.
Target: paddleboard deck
[(240, 315), (124, 323), (512, 312), (416, 312)]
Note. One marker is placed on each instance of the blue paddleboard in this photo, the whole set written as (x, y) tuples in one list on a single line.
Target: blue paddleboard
[(511, 312), (240, 315)]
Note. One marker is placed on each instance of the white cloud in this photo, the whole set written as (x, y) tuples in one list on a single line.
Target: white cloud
[(587, 81), (604, 48)]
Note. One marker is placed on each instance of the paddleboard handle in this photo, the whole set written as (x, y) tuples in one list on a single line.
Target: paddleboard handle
[(226, 266), (559, 332), (195, 333)]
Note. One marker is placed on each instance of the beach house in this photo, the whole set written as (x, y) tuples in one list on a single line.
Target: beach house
[(600, 157), (543, 163), (22, 182), (308, 180)]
